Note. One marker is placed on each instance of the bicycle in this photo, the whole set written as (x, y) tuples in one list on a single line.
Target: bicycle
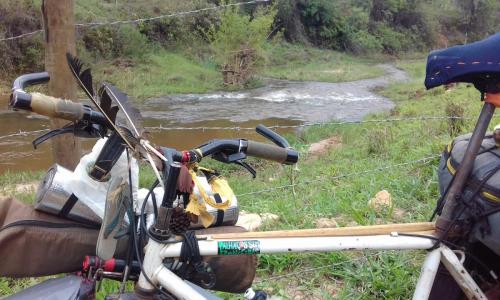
[(156, 273)]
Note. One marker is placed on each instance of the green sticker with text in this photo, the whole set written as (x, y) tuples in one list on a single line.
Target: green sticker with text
[(239, 247)]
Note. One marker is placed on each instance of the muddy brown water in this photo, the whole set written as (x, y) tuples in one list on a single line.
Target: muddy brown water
[(278, 103)]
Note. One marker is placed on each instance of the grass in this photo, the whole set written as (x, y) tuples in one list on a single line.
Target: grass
[(296, 62), (161, 73), (414, 190)]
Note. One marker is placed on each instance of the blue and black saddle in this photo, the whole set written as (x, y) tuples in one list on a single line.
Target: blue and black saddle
[(477, 63)]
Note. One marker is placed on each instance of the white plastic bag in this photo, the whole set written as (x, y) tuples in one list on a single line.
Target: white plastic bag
[(92, 192)]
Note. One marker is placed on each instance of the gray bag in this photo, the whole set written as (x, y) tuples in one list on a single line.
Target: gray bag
[(482, 191)]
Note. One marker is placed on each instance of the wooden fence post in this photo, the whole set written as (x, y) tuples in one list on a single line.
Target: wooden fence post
[(59, 25)]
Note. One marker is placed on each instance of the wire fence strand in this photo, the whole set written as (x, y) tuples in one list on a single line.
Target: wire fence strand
[(184, 13), (239, 128), (424, 160), (23, 133), (140, 20), (21, 35)]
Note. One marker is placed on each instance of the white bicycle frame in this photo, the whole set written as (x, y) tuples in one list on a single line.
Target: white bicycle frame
[(336, 239)]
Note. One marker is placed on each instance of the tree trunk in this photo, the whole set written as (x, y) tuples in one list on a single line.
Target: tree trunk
[(59, 24)]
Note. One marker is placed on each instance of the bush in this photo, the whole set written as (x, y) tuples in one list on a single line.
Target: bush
[(25, 54), (391, 26), (391, 40), (113, 42), (134, 44), (324, 24), (238, 42), (363, 42), (172, 31)]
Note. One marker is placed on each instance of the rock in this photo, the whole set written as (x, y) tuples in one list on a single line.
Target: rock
[(269, 217), (26, 187), (250, 222), (322, 147), (21, 188), (326, 223), (381, 201)]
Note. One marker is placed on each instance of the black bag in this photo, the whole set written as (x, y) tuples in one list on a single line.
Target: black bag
[(481, 197), (481, 194)]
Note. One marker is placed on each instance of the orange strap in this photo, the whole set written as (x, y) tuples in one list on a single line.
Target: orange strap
[(493, 99)]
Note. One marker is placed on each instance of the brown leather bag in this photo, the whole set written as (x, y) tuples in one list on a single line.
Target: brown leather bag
[(34, 243), (233, 273)]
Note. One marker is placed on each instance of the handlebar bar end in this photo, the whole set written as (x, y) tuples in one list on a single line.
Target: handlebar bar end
[(292, 157), (20, 100)]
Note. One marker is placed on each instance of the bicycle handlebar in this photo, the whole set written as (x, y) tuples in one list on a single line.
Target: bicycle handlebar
[(72, 111), (50, 106), (26, 80), (278, 154)]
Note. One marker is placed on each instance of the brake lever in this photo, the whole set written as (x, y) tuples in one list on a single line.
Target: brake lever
[(247, 167), (235, 158), (46, 136), (80, 129), (229, 158)]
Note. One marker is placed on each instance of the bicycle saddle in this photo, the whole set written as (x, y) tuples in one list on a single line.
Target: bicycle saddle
[(477, 63)]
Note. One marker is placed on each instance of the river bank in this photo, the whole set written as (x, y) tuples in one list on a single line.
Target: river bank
[(160, 72), (282, 103)]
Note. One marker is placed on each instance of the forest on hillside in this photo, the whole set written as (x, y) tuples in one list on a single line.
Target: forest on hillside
[(360, 27)]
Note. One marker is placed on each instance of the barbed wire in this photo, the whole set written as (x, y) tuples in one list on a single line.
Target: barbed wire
[(141, 20), (238, 128), (423, 160), (21, 35), (23, 133)]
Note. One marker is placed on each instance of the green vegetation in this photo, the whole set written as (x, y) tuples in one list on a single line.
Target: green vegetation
[(390, 26), (295, 62), (413, 187), (160, 74), (170, 72), (237, 43)]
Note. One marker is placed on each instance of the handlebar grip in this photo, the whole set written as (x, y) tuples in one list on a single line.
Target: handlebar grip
[(272, 152), (56, 108)]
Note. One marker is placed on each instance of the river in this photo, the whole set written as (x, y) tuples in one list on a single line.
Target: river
[(279, 102)]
